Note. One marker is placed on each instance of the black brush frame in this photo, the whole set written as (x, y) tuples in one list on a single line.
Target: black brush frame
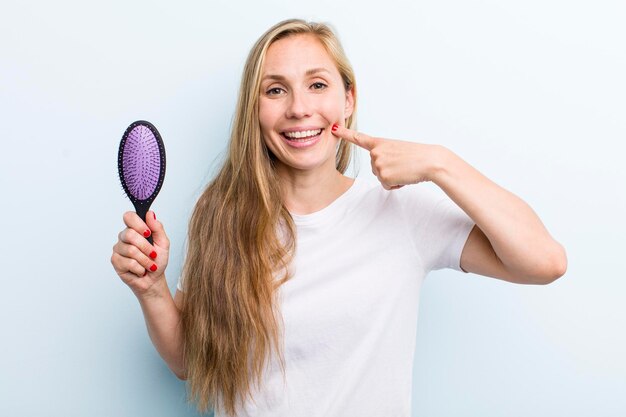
[(142, 206)]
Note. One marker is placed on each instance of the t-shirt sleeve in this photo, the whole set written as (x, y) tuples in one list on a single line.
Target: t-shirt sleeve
[(439, 228)]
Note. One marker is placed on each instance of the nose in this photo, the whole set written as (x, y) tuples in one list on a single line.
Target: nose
[(298, 106)]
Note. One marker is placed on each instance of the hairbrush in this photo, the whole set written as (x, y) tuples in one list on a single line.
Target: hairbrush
[(141, 165)]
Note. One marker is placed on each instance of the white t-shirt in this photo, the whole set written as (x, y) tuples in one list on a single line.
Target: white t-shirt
[(350, 309)]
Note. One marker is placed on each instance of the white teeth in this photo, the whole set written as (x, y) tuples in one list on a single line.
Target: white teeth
[(303, 134)]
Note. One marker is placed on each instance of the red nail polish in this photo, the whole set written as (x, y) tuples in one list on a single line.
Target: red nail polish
[(154, 214), (153, 267), (145, 273), (147, 233), (335, 127), (153, 254)]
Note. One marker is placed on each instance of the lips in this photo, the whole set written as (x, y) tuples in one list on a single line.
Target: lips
[(301, 132), (302, 138)]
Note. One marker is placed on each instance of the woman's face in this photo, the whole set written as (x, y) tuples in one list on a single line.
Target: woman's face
[(302, 95)]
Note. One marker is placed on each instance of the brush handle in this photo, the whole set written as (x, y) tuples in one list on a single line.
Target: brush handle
[(142, 210)]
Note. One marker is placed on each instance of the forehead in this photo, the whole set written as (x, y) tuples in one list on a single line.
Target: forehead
[(295, 54)]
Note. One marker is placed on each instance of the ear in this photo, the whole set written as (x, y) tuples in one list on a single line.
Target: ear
[(349, 109)]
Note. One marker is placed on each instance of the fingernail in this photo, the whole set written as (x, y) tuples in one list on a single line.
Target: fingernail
[(145, 273), (153, 267), (335, 127), (146, 233), (153, 254), (154, 214)]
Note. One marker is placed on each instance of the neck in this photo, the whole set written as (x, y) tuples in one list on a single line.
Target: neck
[(308, 191)]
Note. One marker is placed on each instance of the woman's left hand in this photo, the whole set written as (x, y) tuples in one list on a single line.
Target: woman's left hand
[(395, 163)]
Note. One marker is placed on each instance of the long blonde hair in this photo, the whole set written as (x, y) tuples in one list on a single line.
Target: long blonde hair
[(235, 251)]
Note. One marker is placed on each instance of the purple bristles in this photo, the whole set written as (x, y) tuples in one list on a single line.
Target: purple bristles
[(141, 162)]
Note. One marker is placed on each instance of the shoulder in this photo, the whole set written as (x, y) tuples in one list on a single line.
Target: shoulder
[(415, 199), (424, 193)]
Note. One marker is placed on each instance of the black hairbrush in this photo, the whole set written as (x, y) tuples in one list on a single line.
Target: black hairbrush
[(141, 165)]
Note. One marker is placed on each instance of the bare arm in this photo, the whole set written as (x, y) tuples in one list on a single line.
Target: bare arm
[(510, 242), (163, 320), (142, 267)]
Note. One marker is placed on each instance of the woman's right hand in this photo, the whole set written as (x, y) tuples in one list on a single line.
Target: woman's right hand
[(138, 263)]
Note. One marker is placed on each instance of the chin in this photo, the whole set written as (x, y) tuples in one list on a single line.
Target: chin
[(304, 164)]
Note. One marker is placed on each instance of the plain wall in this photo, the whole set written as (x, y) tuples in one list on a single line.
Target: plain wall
[(531, 93)]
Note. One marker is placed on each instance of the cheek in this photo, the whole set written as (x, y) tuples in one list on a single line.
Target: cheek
[(265, 116), (332, 108), (266, 122)]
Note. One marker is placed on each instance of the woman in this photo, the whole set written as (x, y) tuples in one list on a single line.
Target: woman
[(300, 288)]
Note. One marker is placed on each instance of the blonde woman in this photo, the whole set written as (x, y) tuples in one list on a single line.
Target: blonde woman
[(299, 292)]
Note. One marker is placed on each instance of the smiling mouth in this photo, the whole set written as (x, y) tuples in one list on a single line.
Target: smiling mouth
[(302, 136)]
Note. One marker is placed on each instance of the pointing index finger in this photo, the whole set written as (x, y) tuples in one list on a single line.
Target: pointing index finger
[(360, 139)]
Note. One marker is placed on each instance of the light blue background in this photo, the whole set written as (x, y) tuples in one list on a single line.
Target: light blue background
[(532, 93)]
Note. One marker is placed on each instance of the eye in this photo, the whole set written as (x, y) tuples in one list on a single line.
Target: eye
[(274, 91), (318, 86)]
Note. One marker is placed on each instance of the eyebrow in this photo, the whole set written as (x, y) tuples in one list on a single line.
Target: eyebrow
[(309, 72)]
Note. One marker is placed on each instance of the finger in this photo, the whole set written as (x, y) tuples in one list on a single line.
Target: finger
[(125, 265), (158, 232), (131, 237), (360, 139), (133, 221), (132, 252)]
